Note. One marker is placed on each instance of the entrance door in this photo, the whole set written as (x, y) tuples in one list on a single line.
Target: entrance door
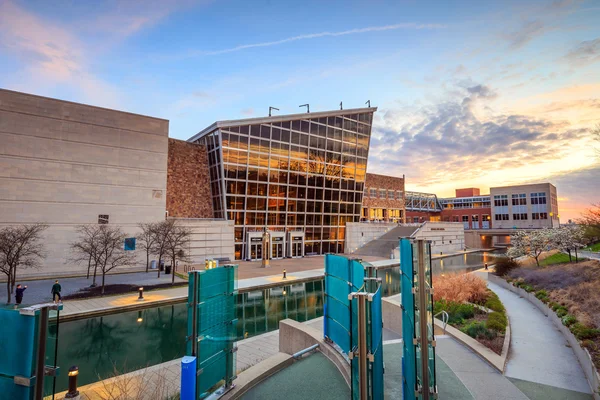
[(256, 251), (277, 250), (297, 249)]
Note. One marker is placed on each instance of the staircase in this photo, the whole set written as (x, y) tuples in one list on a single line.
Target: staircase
[(383, 246)]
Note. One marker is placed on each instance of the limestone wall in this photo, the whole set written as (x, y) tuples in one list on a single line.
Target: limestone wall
[(445, 237)]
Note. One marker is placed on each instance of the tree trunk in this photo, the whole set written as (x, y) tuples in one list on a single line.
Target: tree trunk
[(537, 261), (147, 259), (94, 278), (14, 280), (173, 271), (159, 260), (576, 259), (102, 291), (570, 258), (89, 266), (8, 290)]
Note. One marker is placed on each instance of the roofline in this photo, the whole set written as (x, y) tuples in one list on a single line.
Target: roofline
[(277, 118), (524, 184), (83, 104)]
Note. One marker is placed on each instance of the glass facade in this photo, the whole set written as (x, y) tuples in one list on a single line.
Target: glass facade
[(303, 174)]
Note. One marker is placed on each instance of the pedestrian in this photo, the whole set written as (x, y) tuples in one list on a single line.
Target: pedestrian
[(19, 294), (56, 292), (486, 268)]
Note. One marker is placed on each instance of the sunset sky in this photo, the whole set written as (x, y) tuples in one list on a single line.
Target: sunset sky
[(470, 93)]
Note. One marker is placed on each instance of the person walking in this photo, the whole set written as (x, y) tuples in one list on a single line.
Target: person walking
[(19, 294), (486, 267), (56, 292)]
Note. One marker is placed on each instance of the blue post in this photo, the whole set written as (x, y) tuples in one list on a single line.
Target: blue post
[(188, 378)]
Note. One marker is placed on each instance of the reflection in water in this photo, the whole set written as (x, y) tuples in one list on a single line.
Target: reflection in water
[(137, 339), (133, 340)]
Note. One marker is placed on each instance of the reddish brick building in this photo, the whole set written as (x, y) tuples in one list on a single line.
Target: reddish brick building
[(383, 199)]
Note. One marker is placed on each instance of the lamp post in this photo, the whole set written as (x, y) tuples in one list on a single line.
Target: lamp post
[(73, 393), (266, 248)]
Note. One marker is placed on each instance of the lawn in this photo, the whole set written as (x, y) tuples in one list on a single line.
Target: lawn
[(593, 247), (558, 258)]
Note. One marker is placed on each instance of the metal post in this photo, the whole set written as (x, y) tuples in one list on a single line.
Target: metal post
[(423, 322), (266, 244), (41, 356), (194, 304), (362, 346)]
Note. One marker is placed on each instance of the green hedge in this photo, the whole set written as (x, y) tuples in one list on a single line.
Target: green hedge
[(497, 321)]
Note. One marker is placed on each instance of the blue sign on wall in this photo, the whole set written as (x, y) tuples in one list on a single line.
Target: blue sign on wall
[(129, 244)]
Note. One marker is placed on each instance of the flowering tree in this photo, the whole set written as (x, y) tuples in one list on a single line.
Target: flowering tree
[(530, 243), (568, 238)]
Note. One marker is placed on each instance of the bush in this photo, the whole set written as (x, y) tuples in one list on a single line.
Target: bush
[(497, 322), (504, 265), (478, 329), (460, 288), (494, 303), (568, 320), (457, 312), (527, 288), (583, 332), (561, 311), (541, 293), (554, 306)]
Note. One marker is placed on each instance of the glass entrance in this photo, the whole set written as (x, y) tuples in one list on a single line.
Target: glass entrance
[(277, 251), (296, 249), (255, 251)]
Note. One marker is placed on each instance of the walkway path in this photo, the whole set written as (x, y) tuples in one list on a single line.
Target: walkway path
[(539, 353)]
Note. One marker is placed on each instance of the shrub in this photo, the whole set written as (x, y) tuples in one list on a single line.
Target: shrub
[(457, 312), (541, 294), (496, 321), (568, 320), (583, 332), (478, 329), (460, 288), (494, 303), (504, 265), (554, 306), (561, 311), (527, 288)]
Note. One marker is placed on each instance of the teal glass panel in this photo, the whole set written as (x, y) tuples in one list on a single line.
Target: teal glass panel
[(8, 390), (355, 387), (376, 346), (408, 319), (216, 310), (213, 374), (214, 341), (18, 335)]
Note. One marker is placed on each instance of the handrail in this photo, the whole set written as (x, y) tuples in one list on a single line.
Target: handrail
[(299, 354), (445, 318)]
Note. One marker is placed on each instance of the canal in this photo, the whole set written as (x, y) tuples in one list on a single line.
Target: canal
[(117, 343)]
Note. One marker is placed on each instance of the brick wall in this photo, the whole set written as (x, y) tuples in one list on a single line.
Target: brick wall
[(188, 181), (376, 181)]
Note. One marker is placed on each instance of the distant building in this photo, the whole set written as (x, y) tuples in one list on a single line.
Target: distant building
[(383, 199), (525, 206)]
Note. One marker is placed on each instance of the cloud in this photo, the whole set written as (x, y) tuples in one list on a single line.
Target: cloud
[(315, 36), (525, 34), (586, 52), (248, 112), (447, 143)]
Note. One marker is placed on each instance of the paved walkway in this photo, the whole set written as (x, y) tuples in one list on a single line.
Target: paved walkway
[(539, 353)]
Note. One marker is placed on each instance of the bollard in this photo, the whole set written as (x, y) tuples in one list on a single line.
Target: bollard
[(73, 392), (188, 378), (284, 274), (141, 294)]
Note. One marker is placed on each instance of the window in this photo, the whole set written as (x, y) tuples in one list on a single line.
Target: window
[(398, 195), (501, 200), (520, 217), (538, 198), (372, 193), (539, 216), (390, 194), (465, 218), (501, 217), (382, 193), (519, 199), (415, 219), (455, 218), (103, 219)]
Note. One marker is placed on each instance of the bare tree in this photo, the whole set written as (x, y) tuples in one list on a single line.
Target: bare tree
[(591, 220), (162, 230), (177, 241), (146, 239), (20, 247), (84, 250), (110, 250)]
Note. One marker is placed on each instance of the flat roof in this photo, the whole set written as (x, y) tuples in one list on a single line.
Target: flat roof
[(278, 118)]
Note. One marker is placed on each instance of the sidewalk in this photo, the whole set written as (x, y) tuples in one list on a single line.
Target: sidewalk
[(539, 353)]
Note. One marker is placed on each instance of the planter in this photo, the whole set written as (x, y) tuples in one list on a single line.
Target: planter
[(583, 356)]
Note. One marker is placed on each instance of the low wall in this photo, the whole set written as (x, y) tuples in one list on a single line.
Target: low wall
[(446, 237), (584, 357), (358, 234), (295, 336)]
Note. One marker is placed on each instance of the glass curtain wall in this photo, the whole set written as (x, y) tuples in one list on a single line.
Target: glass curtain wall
[(305, 174)]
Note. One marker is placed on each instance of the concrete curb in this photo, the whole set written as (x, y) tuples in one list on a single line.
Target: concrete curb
[(583, 356), (258, 373)]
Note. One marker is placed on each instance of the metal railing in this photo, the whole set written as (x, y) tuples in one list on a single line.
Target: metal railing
[(445, 318)]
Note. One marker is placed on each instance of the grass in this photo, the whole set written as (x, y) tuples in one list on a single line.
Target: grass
[(593, 247), (558, 258)]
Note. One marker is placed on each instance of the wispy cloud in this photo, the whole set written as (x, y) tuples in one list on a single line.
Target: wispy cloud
[(587, 52), (315, 36)]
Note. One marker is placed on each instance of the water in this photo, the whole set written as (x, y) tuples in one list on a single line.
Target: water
[(101, 346), (105, 346)]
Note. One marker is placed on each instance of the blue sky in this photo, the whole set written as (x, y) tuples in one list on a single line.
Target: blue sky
[(470, 93)]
